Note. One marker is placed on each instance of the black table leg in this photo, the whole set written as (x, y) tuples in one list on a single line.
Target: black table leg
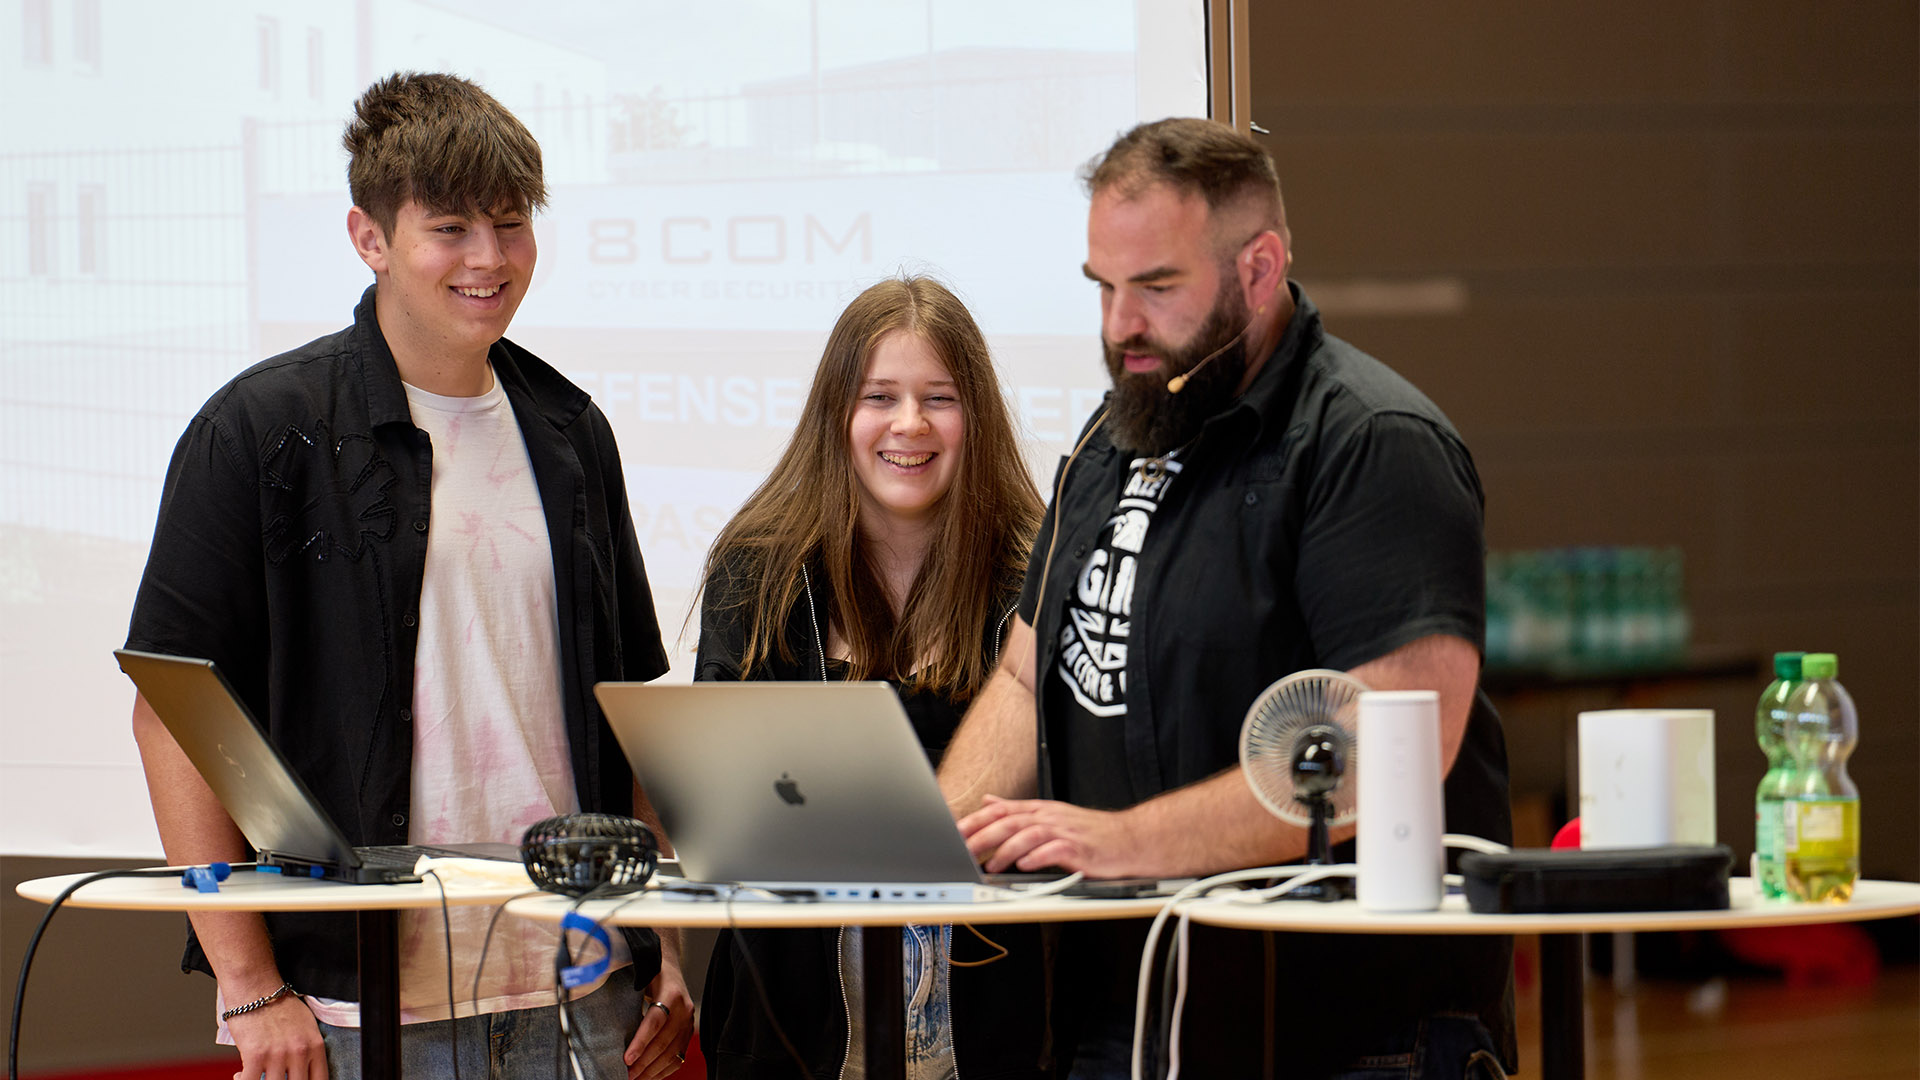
[(883, 988), (1563, 1034), (379, 995)]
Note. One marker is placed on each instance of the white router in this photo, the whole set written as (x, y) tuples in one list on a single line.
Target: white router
[(1646, 778), (1401, 857)]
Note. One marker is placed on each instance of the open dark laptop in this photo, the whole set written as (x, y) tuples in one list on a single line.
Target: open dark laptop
[(272, 807), (813, 788)]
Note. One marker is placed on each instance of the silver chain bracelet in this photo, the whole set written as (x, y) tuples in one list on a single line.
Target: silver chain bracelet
[(260, 1003)]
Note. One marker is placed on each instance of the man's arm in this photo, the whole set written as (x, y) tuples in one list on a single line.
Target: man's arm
[(1216, 824), (281, 1039), (992, 753)]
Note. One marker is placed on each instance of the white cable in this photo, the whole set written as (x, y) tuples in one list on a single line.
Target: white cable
[(1198, 888), (1311, 874), (1049, 888), (1179, 998), (1473, 843), (1303, 875), (566, 1031)]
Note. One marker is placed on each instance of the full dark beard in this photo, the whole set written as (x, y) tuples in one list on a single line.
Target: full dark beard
[(1142, 416)]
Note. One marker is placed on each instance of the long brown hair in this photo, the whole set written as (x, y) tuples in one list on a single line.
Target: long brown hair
[(807, 511)]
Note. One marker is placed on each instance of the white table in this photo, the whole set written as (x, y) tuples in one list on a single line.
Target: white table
[(884, 1011), (376, 908), (1562, 966)]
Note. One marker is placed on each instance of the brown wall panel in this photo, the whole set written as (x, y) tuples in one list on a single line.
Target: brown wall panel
[(1481, 52), (1419, 204), (1803, 199), (1564, 503), (1519, 51), (1508, 364), (1862, 49), (1839, 515), (1686, 238), (1824, 356)]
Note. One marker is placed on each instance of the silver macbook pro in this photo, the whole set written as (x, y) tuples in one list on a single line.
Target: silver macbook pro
[(819, 789)]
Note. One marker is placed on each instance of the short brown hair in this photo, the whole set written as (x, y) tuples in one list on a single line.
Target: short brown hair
[(442, 142), (1197, 157)]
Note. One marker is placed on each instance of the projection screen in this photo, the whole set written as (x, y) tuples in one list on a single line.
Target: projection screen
[(725, 176)]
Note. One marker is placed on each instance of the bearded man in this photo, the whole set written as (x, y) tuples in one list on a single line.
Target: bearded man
[(1254, 498)]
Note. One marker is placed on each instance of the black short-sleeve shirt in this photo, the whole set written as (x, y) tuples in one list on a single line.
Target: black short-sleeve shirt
[(1328, 516), (290, 549)]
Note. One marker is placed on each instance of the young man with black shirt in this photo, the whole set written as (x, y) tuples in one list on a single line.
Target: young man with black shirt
[(1255, 497), (408, 546)]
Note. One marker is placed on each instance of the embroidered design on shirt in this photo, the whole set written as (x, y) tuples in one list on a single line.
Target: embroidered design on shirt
[(324, 496), (1094, 635)]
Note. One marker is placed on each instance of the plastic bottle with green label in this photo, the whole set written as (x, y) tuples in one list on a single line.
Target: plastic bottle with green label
[(1770, 721), (1822, 822)]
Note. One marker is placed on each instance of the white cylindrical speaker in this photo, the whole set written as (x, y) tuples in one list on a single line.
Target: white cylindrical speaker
[(1402, 819)]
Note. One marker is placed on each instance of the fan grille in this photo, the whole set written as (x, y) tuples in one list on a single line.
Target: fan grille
[(1276, 720)]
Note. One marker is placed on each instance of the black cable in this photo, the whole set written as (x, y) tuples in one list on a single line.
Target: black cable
[(33, 944), (563, 958), (562, 1006), (760, 987), (573, 1041), (486, 942), (453, 1011)]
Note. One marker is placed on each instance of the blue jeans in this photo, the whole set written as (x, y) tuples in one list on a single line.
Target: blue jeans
[(1447, 1046), (523, 1043)]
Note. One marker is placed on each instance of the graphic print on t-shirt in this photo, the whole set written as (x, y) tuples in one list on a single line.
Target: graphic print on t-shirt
[(1093, 636)]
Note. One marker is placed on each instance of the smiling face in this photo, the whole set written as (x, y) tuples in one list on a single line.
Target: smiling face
[(907, 432), (449, 284)]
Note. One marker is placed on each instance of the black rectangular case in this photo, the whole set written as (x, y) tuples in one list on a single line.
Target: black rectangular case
[(1679, 877)]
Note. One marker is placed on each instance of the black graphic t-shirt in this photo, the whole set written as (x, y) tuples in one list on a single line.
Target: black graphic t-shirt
[(1327, 517), (1088, 683)]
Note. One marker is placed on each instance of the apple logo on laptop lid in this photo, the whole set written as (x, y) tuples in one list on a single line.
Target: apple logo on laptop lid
[(789, 790)]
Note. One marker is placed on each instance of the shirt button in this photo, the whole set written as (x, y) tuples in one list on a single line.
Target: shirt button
[(1252, 498), (399, 820), (420, 526), (406, 716), (1080, 552), (408, 619)]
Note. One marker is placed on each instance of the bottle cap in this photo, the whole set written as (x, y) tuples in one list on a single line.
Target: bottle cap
[(1819, 665), (1786, 665)]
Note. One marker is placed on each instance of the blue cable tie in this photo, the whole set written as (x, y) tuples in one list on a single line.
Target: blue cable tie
[(201, 878), (580, 975)]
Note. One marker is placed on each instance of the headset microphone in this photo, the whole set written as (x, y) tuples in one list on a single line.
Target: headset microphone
[(1179, 382)]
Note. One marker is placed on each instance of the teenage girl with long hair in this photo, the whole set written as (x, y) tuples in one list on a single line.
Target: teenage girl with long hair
[(889, 543)]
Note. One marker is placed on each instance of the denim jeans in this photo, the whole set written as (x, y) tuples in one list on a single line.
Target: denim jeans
[(522, 1043), (926, 952), (1447, 1046)]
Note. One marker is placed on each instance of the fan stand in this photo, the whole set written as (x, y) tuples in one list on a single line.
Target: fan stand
[(1319, 853)]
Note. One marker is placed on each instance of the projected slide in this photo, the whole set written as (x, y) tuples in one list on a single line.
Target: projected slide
[(724, 176)]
